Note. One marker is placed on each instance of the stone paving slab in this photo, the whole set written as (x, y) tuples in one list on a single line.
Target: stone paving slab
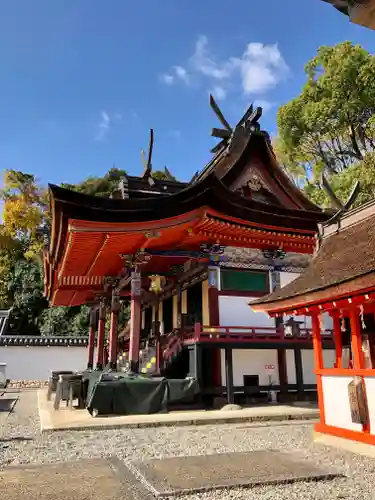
[(182, 475), (66, 419), (88, 479)]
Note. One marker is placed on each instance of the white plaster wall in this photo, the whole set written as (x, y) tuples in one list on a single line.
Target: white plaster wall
[(308, 366), (251, 362), (370, 393), (36, 363), (235, 311), (329, 358), (336, 402), (290, 367)]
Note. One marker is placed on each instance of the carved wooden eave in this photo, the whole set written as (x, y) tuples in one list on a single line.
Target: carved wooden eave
[(244, 154), (254, 258)]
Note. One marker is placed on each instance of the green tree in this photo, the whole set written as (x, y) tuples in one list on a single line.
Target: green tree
[(26, 221), (26, 290), (106, 186), (163, 176), (329, 126)]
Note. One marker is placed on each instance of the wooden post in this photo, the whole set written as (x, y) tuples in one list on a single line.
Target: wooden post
[(179, 304), (283, 372), (101, 336), (355, 326), (299, 371), (318, 359), (229, 374), (156, 334), (135, 321), (115, 308), (337, 337), (91, 345)]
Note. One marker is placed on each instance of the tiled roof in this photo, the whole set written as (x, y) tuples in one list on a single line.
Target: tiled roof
[(343, 255), (28, 341)]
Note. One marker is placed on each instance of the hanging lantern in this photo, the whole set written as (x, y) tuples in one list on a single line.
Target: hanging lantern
[(156, 283)]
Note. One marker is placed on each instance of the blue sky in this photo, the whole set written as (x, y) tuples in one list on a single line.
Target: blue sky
[(82, 81)]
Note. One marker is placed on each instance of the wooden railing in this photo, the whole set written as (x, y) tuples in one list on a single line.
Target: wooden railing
[(172, 344), (244, 334), (233, 334)]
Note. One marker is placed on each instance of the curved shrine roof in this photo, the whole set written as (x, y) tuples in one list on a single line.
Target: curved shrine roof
[(90, 234), (344, 263)]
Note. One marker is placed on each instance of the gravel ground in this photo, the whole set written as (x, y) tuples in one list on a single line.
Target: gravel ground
[(21, 442)]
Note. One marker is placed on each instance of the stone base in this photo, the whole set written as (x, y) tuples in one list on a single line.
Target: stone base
[(84, 480), (367, 450), (182, 475)]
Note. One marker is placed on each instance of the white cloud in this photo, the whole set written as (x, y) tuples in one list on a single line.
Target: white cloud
[(106, 123), (264, 104), (259, 69), (204, 62), (262, 67), (181, 74), (167, 79), (177, 73), (219, 93)]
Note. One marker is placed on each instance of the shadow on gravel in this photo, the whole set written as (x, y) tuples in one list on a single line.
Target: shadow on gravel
[(7, 404), (16, 438)]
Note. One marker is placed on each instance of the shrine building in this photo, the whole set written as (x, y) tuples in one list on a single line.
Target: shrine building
[(188, 257), (340, 281), (360, 12)]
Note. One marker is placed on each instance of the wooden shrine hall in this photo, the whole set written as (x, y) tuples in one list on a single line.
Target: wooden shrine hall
[(340, 281), (188, 257)]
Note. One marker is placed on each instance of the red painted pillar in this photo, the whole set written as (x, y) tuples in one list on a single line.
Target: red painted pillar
[(355, 326), (135, 321), (91, 346), (318, 358), (101, 336), (213, 311), (113, 328), (337, 336)]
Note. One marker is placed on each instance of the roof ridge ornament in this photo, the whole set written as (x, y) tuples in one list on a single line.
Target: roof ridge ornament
[(147, 164), (341, 207), (168, 174), (248, 121)]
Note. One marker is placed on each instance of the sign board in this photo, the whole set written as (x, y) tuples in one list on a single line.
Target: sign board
[(269, 368), (357, 401)]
